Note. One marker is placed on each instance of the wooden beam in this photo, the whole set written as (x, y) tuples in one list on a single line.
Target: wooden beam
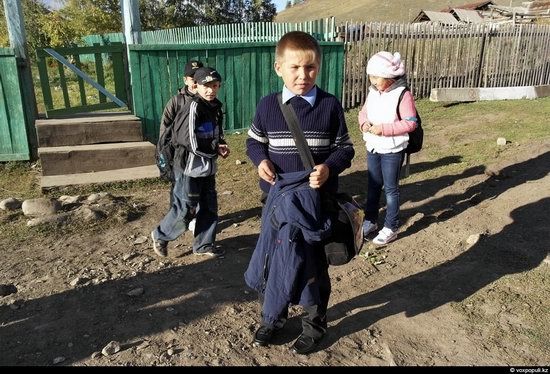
[(18, 41)]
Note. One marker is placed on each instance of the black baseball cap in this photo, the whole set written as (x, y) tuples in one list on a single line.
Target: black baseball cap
[(207, 75), (191, 67)]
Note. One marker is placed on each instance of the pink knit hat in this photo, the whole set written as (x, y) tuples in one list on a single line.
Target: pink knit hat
[(385, 65)]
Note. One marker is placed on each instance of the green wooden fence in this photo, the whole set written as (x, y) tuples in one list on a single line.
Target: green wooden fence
[(249, 32), (246, 70), (13, 133), (114, 68)]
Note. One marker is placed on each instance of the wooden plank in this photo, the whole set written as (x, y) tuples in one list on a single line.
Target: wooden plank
[(14, 143), (88, 130), (119, 76), (63, 85), (6, 147), (81, 88), (96, 157), (117, 175), (100, 75)]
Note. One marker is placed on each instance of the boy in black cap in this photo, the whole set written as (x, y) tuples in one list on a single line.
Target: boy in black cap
[(178, 100), (171, 108), (198, 139)]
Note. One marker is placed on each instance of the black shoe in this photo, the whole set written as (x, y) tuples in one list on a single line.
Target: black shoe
[(210, 251), (305, 344), (264, 335), (159, 246)]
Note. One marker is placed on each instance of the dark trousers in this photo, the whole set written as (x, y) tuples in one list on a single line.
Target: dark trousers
[(314, 322), (191, 198)]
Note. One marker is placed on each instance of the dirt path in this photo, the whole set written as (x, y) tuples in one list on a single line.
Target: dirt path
[(433, 298)]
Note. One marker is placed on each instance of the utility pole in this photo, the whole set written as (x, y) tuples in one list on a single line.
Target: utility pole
[(132, 34), (18, 41)]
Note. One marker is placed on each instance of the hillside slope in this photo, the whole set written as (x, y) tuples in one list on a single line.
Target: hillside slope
[(367, 10)]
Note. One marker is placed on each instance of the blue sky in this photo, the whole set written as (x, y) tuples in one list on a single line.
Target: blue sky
[(280, 4)]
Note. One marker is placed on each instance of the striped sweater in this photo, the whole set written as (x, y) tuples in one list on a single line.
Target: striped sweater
[(325, 130)]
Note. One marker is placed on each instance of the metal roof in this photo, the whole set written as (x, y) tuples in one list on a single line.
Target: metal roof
[(465, 15), (480, 5), (441, 17)]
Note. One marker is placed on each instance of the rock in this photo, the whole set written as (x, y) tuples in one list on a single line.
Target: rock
[(96, 354), (225, 193), (78, 281), (55, 219), (143, 345), (88, 214), (501, 141), (10, 203), (111, 348), (98, 196), (129, 256), (171, 352), (93, 198), (140, 240), (58, 360), (40, 207), (473, 239), (69, 200), (7, 289), (136, 292)]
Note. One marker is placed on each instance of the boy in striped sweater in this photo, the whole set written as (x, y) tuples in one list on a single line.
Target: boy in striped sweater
[(271, 147)]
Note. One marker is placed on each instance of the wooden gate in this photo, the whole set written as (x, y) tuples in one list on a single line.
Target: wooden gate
[(13, 133), (107, 69)]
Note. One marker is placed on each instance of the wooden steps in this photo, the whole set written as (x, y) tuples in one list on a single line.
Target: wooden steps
[(117, 175), (94, 148), (88, 130)]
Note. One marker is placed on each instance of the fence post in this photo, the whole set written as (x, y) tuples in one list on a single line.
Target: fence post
[(132, 34), (18, 41)]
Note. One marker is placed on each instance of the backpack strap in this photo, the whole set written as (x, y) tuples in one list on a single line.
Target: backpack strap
[(399, 101)]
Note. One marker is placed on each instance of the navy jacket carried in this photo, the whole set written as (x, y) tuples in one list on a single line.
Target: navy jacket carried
[(283, 265)]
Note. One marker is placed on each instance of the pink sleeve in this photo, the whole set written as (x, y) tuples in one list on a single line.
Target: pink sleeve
[(407, 109), (363, 114)]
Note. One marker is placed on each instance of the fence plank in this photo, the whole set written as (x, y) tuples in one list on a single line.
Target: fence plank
[(461, 56)]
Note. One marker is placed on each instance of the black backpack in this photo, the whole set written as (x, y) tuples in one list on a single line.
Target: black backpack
[(416, 137), (165, 150)]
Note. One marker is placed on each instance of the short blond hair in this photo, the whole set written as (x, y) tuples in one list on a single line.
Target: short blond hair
[(298, 41)]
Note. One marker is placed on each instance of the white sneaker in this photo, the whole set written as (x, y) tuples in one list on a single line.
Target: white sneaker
[(385, 236), (369, 227), (192, 225)]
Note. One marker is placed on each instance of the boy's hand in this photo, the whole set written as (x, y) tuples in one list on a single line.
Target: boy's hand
[(319, 176), (376, 130), (266, 171), (223, 150)]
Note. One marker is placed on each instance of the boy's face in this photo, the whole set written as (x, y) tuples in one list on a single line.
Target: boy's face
[(298, 69), (208, 91), (190, 83)]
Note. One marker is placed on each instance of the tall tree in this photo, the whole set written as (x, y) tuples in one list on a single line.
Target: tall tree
[(212, 12), (34, 15)]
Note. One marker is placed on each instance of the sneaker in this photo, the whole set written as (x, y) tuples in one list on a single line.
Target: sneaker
[(369, 227), (159, 246), (210, 251), (385, 236), (191, 226)]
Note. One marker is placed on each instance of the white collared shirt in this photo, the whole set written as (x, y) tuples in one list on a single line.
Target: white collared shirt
[(310, 96)]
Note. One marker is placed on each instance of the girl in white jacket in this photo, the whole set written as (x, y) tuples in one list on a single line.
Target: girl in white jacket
[(386, 138)]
